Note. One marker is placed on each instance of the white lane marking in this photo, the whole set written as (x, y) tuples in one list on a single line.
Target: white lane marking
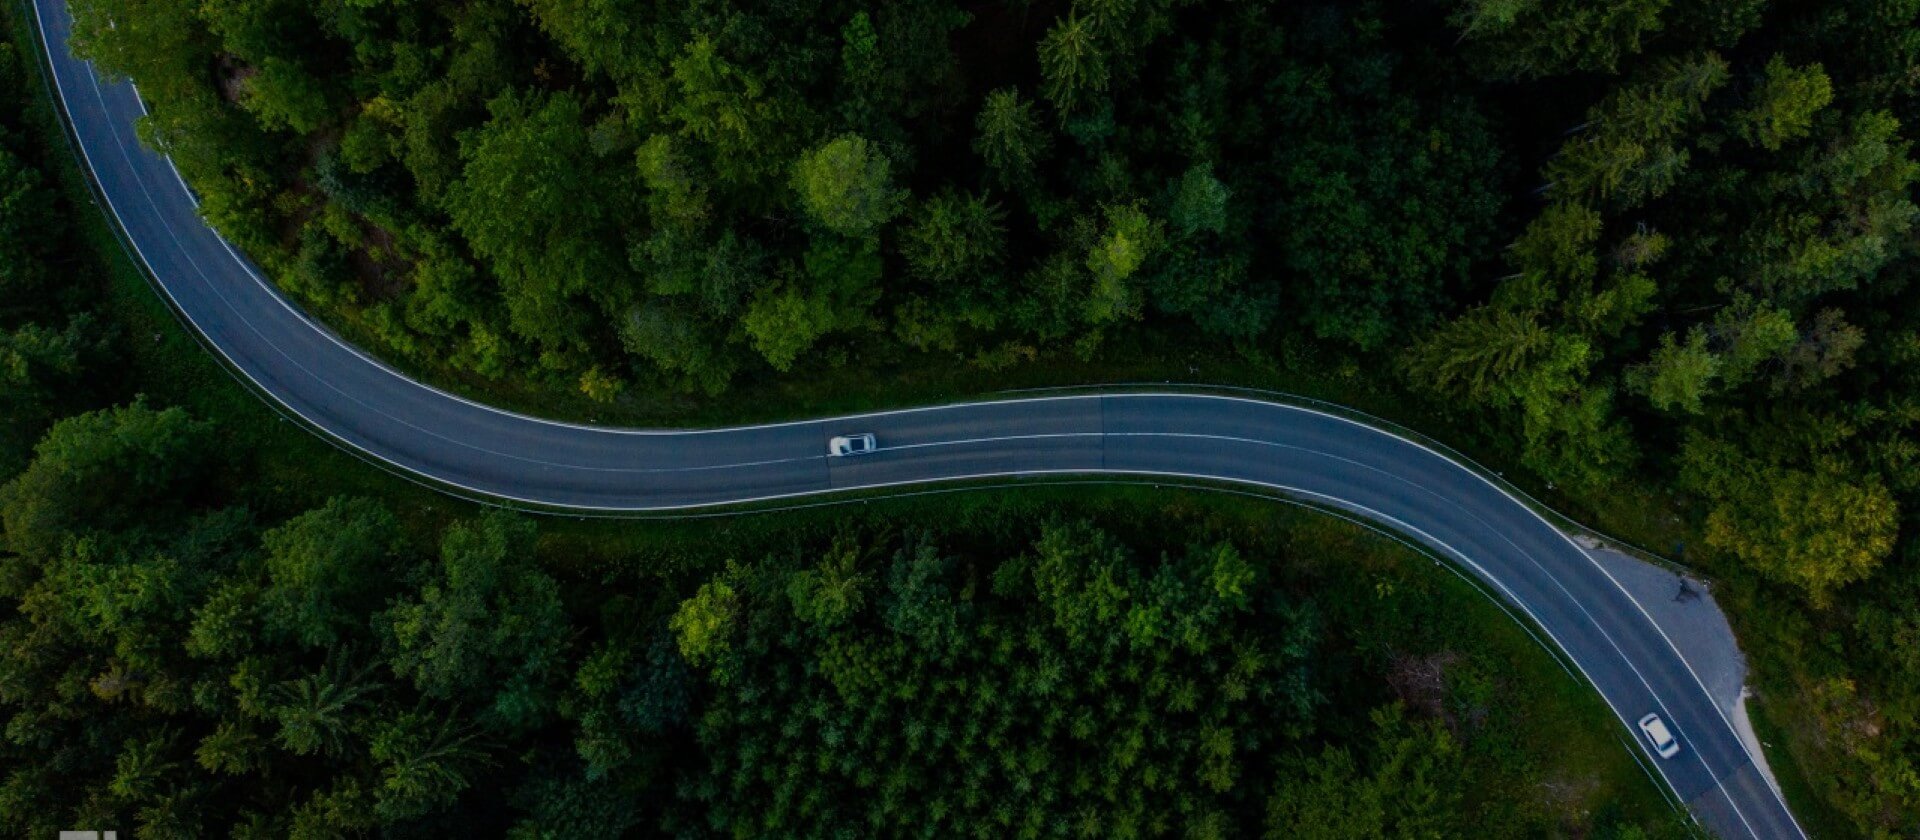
[(966, 441), (1530, 558), (296, 362), (220, 294), (1559, 656), (329, 336), (1377, 515), (133, 170), (1778, 798)]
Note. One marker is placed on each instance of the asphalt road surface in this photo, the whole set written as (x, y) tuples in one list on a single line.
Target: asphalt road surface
[(1311, 455)]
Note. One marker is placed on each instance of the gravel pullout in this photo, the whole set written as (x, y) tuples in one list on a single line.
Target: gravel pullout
[(1685, 610)]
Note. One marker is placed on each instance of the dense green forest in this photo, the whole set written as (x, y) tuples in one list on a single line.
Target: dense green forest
[(190, 647), (1646, 249), (183, 657), (186, 669), (598, 194)]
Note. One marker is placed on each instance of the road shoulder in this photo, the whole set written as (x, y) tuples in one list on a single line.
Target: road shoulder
[(1686, 611)]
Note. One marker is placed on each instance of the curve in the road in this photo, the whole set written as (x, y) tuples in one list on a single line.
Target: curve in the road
[(1310, 454)]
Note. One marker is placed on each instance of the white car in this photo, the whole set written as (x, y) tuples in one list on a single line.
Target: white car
[(859, 444), (1664, 744)]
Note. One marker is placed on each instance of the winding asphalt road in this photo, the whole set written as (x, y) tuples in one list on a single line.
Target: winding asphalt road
[(1308, 454)]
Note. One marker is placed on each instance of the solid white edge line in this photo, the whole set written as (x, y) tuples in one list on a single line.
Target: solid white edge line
[(252, 273), (1547, 573), (1791, 819)]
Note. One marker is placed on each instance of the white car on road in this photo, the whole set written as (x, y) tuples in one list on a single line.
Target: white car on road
[(1664, 744), (859, 444)]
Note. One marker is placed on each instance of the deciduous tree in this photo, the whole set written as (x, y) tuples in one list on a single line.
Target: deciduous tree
[(846, 185)]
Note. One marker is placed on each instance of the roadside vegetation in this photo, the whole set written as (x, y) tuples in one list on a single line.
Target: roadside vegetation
[(178, 663), (1651, 257), (212, 624)]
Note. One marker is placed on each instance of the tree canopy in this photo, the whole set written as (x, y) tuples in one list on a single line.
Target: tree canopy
[(217, 671), (1652, 250)]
